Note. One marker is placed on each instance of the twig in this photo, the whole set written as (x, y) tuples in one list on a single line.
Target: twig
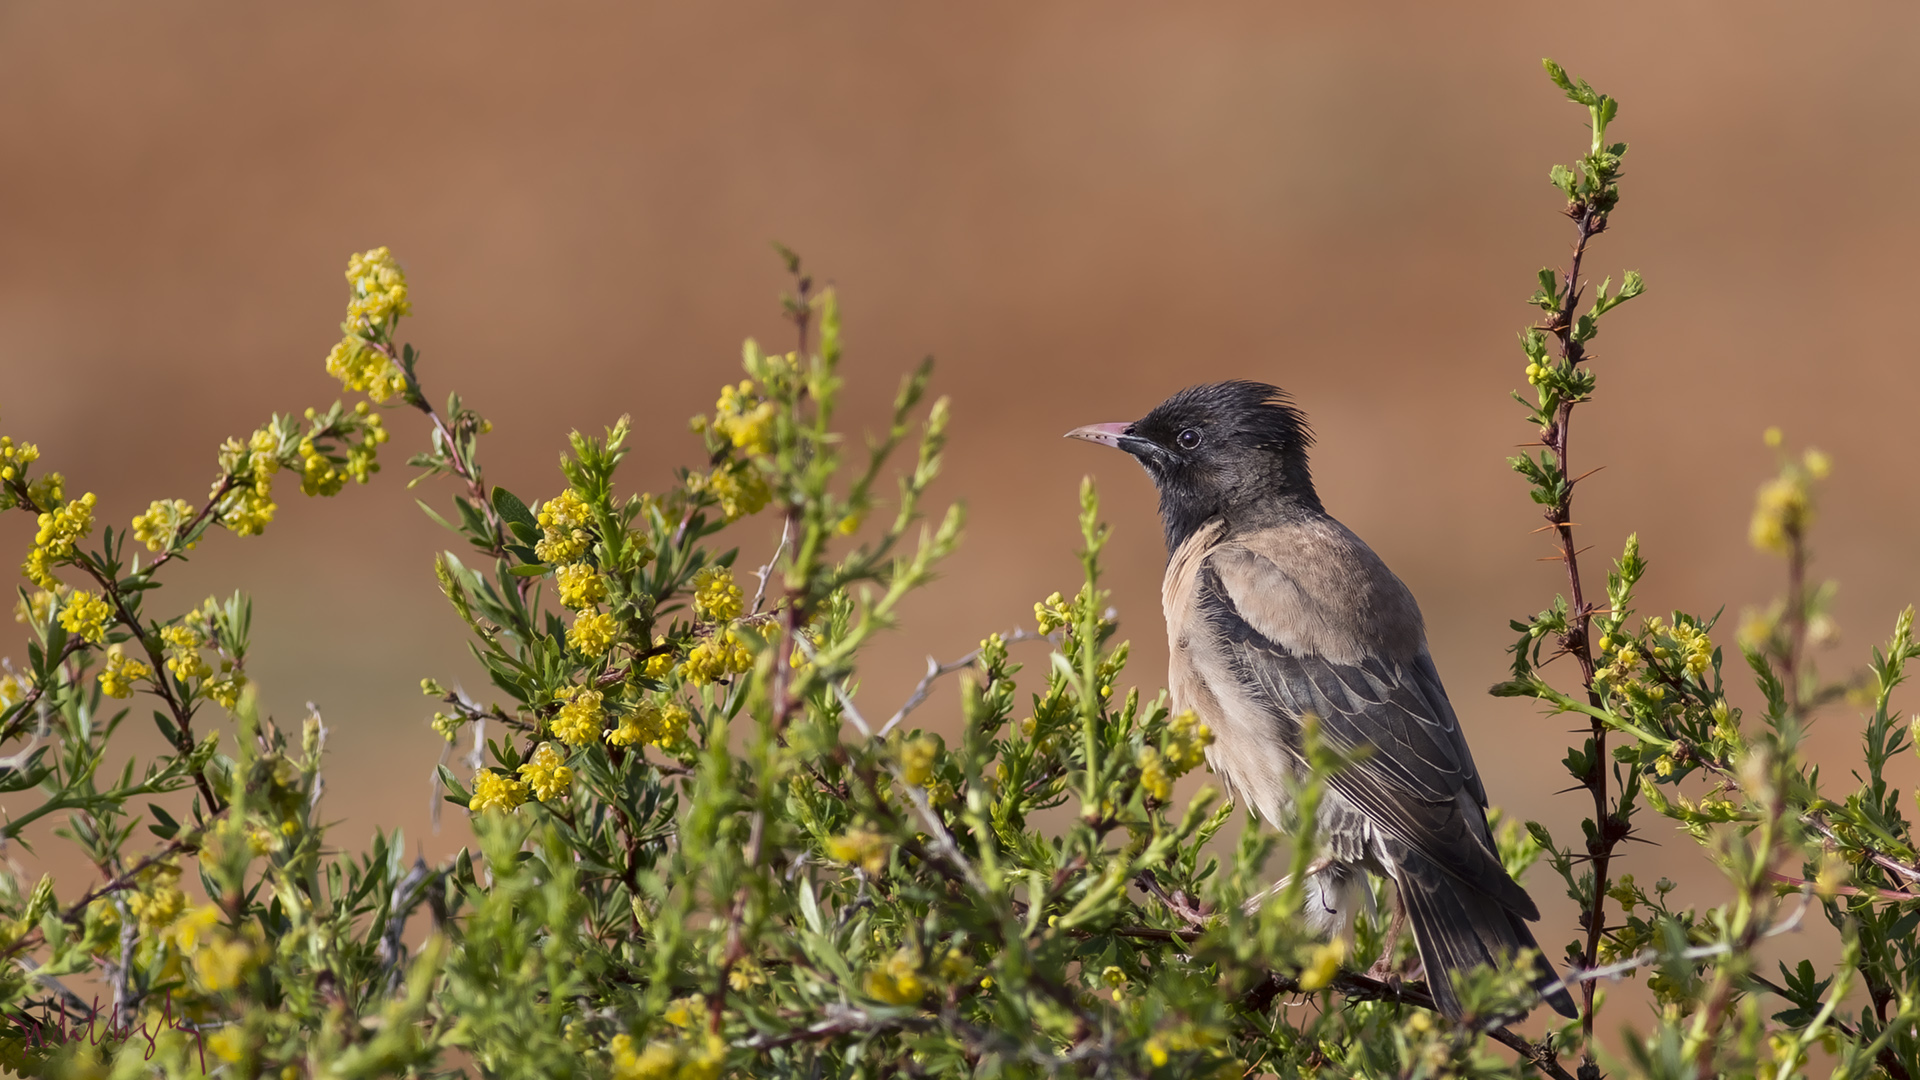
[(760, 594), (935, 670)]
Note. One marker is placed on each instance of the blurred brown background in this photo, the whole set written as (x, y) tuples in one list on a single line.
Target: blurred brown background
[(1077, 208)]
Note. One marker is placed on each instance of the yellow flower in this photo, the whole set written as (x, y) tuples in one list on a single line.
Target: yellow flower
[(1187, 742), (220, 958), (897, 980), (161, 523), (493, 790), (659, 1061), (917, 759), (673, 729), (1696, 647), (681, 1012), (744, 418), (159, 900), (657, 665), (563, 521), (361, 367), (120, 673), (1153, 774), (581, 718), (35, 609), (715, 658), (229, 1044), (1052, 613), (1323, 965), (183, 652), (379, 290), (227, 691), (864, 847), (13, 687), (317, 474), (60, 528), (644, 724), (86, 615), (581, 586), (547, 774), (1783, 509), (737, 486), (593, 633), (715, 596)]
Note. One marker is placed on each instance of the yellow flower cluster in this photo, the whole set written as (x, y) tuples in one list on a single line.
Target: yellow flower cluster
[(897, 981), (581, 586), (379, 294), (593, 633), (698, 1058), (1536, 373), (1186, 742), (221, 959), (1153, 773), (226, 692), (161, 523), (120, 673), (1115, 980), (715, 596), (737, 486), (60, 529), (1323, 964), (379, 290), (744, 418), (651, 722), (546, 774), (1696, 649), (34, 610), (1781, 510), (183, 652), (1052, 613), (248, 509), (86, 615), (361, 367), (564, 520), (492, 790), (716, 657), (862, 847), (918, 758), (318, 473), (159, 900), (657, 665), (581, 717), (13, 687), (1784, 508), (15, 457)]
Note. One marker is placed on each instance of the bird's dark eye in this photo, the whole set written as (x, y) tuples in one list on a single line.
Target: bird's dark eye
[(1189, 438)]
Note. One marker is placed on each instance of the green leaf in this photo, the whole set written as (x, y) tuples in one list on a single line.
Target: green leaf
[(515, 514), (530, 570)]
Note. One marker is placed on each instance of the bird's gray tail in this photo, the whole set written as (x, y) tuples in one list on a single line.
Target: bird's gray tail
[(1457, 927)]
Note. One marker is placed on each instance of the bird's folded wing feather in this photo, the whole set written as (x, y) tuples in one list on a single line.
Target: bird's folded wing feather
[(1416, 781)]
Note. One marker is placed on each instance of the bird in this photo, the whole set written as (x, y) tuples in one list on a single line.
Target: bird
[(1276, 613)]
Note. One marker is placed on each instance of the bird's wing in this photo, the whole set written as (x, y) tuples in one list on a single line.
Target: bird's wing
[(1416, 780)]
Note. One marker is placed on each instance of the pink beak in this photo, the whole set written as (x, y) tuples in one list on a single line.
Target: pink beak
[(1104, 434)]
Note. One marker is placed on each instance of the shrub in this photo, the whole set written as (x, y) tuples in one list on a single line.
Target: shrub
[(700, 854)]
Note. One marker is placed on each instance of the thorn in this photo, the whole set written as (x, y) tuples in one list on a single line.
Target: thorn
[(1584, 475)]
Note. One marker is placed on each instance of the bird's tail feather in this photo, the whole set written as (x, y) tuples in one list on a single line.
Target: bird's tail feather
[(1458, 928)]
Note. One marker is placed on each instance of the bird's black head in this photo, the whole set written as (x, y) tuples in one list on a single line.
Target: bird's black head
[(1236, 450)]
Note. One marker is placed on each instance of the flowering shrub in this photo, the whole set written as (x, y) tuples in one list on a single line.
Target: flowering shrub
[(701, 854)]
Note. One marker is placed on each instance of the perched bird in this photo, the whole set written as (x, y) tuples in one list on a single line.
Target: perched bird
[(1275, 611)]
